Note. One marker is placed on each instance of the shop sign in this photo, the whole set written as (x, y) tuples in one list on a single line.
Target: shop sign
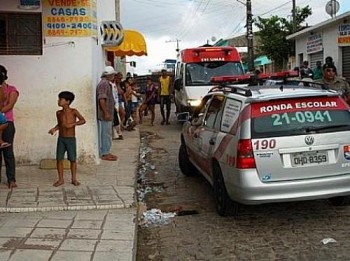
[(29, 4), (69, 18), (344, 34), (314, 43)]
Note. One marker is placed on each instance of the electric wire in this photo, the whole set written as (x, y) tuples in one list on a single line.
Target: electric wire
[(207, 10)]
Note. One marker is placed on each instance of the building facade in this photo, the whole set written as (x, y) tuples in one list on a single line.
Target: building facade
[(49, 46), (329, 38)]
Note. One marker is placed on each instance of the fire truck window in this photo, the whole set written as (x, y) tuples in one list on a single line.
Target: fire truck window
[(199, 74), (188, 76)]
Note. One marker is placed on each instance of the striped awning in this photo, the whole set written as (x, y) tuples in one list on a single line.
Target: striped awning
[(133, 44)]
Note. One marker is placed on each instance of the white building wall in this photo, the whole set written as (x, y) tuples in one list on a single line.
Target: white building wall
[(68, 63), (330, 46)]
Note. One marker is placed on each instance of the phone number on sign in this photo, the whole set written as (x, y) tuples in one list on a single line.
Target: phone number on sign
[(62, 32), (69, 19), (69, 26)]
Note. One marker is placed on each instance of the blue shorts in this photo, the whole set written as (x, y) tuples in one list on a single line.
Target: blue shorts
[(68, 144), (134, 106), (2, 118)]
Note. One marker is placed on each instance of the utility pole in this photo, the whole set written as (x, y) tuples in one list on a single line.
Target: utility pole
[(250, 36), (294, 21), (119, 62), (177, 44), (117, 10)]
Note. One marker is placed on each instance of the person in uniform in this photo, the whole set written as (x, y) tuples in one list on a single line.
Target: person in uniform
[(331, 81)]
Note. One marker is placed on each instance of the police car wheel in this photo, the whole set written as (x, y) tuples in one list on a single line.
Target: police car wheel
[(224, 205), (186, 166), (340, 201)]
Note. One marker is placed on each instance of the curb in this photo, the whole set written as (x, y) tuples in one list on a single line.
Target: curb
[(65, 208)]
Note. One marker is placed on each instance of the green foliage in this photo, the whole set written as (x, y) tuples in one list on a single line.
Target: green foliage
[(273, 32)]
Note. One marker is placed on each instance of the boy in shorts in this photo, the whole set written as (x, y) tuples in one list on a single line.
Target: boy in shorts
[(67, 119)]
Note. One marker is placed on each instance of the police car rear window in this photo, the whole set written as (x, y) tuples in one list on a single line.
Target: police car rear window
[(299, 117)]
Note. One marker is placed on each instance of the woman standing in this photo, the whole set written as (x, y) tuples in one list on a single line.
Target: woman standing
[(11, 95), (149, 101)]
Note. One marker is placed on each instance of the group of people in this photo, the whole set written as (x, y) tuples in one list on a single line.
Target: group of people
[(118, 105), (67, 119), (327, 75)]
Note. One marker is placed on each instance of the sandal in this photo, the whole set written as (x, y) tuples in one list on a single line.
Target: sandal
[(109, 157)]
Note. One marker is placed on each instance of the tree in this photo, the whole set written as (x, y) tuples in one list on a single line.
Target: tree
[(273, 31)]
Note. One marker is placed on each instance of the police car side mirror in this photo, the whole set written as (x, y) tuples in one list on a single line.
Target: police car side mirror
[(178, 84), (196, 120)]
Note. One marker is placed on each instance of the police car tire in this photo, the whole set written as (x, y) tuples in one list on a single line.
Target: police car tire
[(224, 205), (340, 201), (186, 166)]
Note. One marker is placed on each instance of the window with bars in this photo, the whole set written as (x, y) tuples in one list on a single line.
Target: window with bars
[(21, 34)]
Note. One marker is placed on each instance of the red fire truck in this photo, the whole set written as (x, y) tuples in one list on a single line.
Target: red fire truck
[(194, 69)]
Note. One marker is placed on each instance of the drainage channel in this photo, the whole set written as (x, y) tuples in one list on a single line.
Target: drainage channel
[(145, 186)]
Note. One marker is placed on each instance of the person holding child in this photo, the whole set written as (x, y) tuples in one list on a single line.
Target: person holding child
[(67, 119), (132, 104), (149, 101), (3, 120), (10, 98)]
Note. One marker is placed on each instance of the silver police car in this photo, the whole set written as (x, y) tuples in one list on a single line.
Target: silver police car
[(263, 144)]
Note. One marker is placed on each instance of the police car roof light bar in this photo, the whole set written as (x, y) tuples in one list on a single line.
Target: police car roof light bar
[(232, 89)]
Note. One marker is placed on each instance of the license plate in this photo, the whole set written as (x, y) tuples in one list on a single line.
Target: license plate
[(309, 158)]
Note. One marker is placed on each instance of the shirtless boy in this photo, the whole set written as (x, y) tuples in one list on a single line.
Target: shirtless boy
[(67, 119)]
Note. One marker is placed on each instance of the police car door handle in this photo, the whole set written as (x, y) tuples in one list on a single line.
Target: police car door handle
[(212, 141)]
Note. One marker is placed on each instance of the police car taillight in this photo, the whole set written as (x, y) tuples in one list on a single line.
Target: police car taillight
[(245, 155)]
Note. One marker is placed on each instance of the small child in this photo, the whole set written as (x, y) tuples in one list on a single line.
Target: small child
[(67, 119), (3, 120)]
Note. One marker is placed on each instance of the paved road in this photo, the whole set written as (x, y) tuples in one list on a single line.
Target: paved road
[(288, 231)]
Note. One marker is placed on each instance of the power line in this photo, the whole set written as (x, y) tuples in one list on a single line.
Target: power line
[(217, 13), (276, 8), (191, 21)]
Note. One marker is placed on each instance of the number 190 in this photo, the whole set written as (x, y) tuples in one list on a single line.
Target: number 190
[(265, 144)]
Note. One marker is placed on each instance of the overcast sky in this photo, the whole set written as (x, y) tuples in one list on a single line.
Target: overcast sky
[(196, 22)]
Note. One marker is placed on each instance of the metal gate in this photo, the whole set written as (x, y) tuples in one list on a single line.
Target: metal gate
[(314, 57), (346, 62)]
